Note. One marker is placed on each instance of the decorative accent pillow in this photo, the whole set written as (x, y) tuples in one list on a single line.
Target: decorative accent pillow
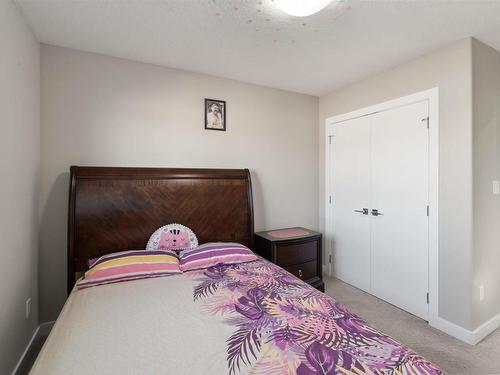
[(130, 265), (172, 237), (213, 253)]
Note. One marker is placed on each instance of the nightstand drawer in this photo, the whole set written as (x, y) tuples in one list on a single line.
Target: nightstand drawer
[(296, 249), (304, 271), (289, 254)]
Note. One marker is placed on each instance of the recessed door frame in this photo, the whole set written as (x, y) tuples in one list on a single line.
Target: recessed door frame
[(432, 97)]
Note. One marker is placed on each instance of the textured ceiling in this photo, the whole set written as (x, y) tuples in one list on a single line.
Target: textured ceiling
[(253, 41)]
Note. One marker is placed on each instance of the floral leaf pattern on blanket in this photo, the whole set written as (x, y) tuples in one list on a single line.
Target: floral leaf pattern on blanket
[(284, 326)]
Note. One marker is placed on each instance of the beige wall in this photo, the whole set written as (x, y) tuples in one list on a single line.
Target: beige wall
[(486, 156), (98, 110), (450, 70), (19, 168)]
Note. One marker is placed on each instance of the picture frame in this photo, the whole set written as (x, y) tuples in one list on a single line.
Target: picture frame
[(215, 114)]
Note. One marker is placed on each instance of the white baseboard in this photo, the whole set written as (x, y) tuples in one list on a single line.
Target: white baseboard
[(485, 329), (42, 330), (470, 337), (33, 337), (45, 328)]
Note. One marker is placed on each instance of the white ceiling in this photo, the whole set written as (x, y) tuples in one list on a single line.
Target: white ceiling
[(252, 41)]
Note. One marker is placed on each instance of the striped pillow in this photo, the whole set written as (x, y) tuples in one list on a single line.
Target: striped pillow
[(212, 253), (130, 265)]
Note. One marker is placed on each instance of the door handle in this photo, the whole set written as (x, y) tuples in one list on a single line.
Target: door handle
[(375, 212), (364, 211)]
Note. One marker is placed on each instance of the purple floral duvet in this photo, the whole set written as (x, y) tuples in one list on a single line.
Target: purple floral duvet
[(283, 326)]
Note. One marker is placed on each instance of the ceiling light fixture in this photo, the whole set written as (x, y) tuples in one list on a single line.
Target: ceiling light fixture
[(301, 8)]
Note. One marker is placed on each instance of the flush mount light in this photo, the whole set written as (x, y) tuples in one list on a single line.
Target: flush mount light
[(301, 8)]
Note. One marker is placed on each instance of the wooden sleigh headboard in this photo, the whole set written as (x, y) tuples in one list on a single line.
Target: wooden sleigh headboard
[(115, 209)]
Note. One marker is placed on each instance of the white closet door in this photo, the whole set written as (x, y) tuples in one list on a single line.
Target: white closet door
[(350, 157), (399, 190)]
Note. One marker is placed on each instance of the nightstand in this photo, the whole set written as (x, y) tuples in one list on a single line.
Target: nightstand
[(297, 250)]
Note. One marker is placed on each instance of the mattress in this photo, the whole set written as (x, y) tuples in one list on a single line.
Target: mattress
[(248, 318)]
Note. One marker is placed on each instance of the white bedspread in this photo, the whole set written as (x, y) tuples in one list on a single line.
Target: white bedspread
[(247, 318), (142, 327)]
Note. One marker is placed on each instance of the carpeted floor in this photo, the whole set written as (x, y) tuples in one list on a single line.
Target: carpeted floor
[(453, 356)]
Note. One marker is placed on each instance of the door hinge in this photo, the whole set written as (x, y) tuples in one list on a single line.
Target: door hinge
[(427, 210), (330, 199), (426, 120), (330, 139), (427, 298), (330, 258)]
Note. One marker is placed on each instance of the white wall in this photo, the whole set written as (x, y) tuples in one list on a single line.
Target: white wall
[(450, 70), (19, 168), (486, 154), (98, 110)]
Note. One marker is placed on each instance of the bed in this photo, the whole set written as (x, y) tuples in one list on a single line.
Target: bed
[(247, 318)]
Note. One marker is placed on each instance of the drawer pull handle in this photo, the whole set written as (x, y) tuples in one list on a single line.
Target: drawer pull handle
[(300, 273)]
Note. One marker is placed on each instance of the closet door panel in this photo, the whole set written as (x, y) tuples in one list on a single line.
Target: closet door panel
[(350, 155), (399, 190)]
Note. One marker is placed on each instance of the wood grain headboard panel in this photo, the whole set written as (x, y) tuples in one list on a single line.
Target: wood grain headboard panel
[(115, 209)]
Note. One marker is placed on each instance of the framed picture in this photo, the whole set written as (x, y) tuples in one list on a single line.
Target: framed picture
[(215, 114)]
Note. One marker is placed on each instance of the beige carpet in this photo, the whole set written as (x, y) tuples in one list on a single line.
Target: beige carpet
[(453, 356)]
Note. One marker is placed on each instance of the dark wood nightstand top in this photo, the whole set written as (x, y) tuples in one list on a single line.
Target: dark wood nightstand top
[(286, 234)]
